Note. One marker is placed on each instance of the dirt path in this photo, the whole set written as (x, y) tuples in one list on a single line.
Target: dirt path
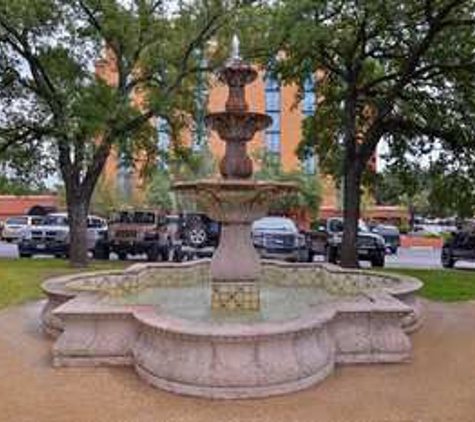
[(438, 386)]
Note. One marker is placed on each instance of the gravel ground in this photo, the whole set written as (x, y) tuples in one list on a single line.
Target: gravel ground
[(438, 386)]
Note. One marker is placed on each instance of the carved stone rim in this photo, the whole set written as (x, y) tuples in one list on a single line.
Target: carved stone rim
[(232, 184)]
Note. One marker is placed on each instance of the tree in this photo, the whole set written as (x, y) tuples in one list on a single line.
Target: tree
[(395, 70), (404, 183), (442, 188), (308, 195), (9, 186), (50, 92)]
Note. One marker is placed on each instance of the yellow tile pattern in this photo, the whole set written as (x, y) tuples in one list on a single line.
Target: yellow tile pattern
[(235, 296)]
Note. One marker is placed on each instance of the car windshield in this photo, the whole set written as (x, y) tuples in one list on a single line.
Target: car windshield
[(388, 229), (37, 221), (336, 226), (20, 221), (275, 224), (133, 217), (363, 227), (55, 220)]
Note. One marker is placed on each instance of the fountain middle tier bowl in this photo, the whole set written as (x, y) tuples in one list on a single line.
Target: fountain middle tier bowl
[(157, 318), (234, 199), (238, 125)]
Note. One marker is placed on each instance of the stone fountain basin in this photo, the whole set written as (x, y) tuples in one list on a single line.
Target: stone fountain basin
[(231, 359), (231, 200)]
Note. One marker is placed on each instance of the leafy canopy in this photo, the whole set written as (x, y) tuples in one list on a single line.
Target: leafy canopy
[(395, 69)]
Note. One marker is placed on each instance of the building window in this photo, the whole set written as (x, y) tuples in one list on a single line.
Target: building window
[(273, 109), (163, 130), (163, 141), (309, 105), (200, 133), (309, 99), (124, 178)]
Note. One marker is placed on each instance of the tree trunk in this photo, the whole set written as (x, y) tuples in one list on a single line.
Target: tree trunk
[(351, 215), (352, 179), (77, 213)]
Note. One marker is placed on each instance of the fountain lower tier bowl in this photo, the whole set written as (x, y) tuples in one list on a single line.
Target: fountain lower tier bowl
[(228, 200), (157, 318)]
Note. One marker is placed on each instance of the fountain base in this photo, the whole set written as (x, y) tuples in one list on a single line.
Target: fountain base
[(234, 296), (157, 318)]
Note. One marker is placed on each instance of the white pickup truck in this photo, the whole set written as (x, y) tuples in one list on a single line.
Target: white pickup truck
[(52, 236)]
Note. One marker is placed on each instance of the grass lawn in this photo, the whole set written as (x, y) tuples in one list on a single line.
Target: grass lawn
[(20, 279), (443, 285)]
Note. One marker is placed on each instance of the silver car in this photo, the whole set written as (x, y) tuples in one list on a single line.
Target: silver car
[(52, 236), (15, 226), (279, 238)]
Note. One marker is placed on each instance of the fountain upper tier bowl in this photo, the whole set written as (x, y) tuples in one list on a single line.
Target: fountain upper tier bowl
[(238, 126)]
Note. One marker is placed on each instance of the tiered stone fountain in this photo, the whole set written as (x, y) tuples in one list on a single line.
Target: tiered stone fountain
[(235, 200), (266, 328)]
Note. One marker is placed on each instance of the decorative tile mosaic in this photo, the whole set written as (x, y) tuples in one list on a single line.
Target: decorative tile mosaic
[(235, 296)]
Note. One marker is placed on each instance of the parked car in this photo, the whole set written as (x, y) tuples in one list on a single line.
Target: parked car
[(51, 237), (391, 236), (370, 246), (279, 238), (15, 226), (460, 246), (317, 241), (136, 232)]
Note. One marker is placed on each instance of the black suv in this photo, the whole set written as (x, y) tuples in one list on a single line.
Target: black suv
[(459, 247), (371, 247)]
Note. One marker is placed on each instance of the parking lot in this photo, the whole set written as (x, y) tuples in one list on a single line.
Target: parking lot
[(405, 258)]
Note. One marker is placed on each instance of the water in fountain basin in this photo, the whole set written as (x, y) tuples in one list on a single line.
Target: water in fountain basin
[(193, 303)]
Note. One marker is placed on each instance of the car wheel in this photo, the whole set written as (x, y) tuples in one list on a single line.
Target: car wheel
[(122, 256), (378, 261), (177, 254), (165, 254), (196, 233), (197, 236), (310, 256), (447, 259), (332, 255), (101, 252), (153, 253)]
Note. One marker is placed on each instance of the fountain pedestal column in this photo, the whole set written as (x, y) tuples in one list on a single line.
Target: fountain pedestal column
[(235, 268)]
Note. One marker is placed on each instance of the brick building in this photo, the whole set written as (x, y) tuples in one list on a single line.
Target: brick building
[(11, 205), (279, 141)]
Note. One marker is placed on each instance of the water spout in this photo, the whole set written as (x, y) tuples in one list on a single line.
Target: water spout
[(235, 54)]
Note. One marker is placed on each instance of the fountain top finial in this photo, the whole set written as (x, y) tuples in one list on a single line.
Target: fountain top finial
[(235, 53)]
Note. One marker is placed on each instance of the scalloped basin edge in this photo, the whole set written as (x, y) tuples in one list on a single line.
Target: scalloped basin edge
[(231, 360)]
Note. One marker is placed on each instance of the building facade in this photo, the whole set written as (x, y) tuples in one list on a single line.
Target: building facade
[(279, 142)]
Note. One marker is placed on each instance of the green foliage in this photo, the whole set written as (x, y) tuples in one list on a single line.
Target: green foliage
[(10, 186), (51, 95), (437, 189), (307, 197), (401, 70), (402, 81), (107, 199), (183, 165), (158, 191)]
